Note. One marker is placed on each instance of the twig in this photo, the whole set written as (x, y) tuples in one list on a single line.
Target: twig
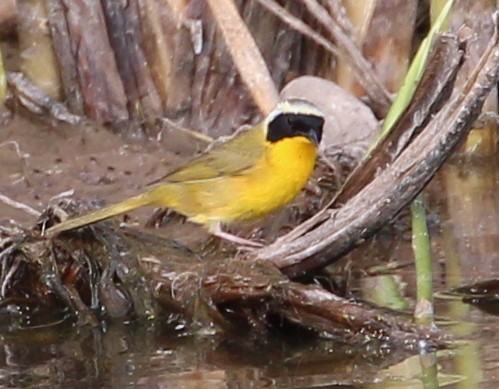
[(3, 81), (8, 277), (23, 159), (297, 24), (246, 55), (37, 101), (16, 204), (337, 10), (66, 193), (194, 134), (16, 147)]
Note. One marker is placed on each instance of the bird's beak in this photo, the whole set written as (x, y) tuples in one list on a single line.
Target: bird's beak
[(312, 135)]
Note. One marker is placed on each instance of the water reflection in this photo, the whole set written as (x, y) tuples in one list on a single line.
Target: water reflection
[(140, 355)]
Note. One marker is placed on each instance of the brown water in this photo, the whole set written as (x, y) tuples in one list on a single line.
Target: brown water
[(38, 162)]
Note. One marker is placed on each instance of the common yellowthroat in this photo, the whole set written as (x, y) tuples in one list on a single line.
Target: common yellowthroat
[(254, 173)]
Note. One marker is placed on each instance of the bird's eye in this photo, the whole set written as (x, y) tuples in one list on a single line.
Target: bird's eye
[(290, 120)]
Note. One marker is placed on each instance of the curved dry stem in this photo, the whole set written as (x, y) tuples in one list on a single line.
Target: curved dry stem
[(396, 186)]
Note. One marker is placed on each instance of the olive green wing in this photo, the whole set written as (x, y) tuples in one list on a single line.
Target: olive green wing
[(230, 158)]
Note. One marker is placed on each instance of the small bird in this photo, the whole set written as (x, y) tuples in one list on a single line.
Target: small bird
[(254, 173)]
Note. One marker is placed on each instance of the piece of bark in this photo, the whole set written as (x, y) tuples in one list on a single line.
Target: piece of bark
[(178, 77), (102, 87), (65, 56), (124, 29), (156, 44)]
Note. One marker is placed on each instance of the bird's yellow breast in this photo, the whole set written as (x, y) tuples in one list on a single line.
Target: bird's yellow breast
[(273, 181)]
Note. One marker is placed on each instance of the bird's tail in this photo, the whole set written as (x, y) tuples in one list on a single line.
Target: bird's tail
[(101, 214)]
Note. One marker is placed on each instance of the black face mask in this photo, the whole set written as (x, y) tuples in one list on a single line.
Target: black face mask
[(288, 125)]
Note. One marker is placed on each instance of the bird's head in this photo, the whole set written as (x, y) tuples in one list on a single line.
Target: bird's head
[(293, 118)]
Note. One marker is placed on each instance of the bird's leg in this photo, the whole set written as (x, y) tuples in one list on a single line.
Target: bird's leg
[(216, 230)]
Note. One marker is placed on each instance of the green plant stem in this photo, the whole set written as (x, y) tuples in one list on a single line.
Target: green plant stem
[(3, 80), (430, 371), (422, 255)]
